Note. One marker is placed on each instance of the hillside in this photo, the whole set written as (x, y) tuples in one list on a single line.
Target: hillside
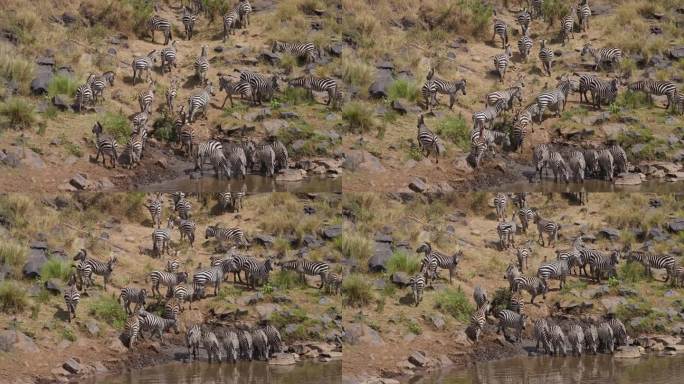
[(117, 225), (384, 328)]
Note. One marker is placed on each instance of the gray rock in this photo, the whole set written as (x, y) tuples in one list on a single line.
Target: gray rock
[(60, 101), (79, 181), (33, 265), (625, 292), (72, 366), (68, 18), (9, 159), (264, 240), (381, 83), (39, 84), (611, 303), (609, 233), (291, 175), (266, 310), (625, 352), (383, 238), (628, 179), (381, 253), (289, 115), (418, 185), (270, 57), (11, 340), (218, 49), (657, 234), (361, 160), (336, 49), (400, 278), (93, 328), (332, 232), (438, 321), (32, 160), (356, 333), (399, 107), (677, 52), (282, 359), (418, 358), (53, 286), (676, 225), (258, 115), (273, 127)]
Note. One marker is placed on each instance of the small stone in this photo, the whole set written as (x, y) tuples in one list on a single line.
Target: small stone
[(53, 286), (418, 185), (399, 107), (400, 278), (417, 358), (332, 232), (79, 181), (72, 366)]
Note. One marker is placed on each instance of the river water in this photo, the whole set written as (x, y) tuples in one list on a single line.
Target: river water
[(240, 373), (601, 369), (251, 184)]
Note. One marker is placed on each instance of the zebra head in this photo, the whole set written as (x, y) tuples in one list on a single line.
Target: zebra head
[(463, 85), (277, 46), (97, 128), (151, 56), (586, 49), (110, 77), (210, 89), (111, 262), (425, 248), (81, 255), (210, 232)]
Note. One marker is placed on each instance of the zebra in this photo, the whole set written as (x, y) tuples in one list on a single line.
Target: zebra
[(500, 203), (181, 205), (201, 66), (523, 254), (619, 158), (143, 63), (512, 273), (591, 161), (510, 319), (171, 309), (619, 332), (230, 22), (140, 118), (168, 58), (100, 83), (517, 303), (193, 338), (265, 157), (523, 18), (306, 51), (71, 297), (501, 62), (585, 84), (263, 89), (188, 20), (245, 340), (677, 273), (244, 9), (228, 265), (318, 84), (158, 23), (577, 165), (211, 344), (187, 230), (546, 57), (554, 98), (180, 293), (478, 320), (547, 227), (532, 284), (200, 101), (437, 259), (568, 26), (146, 97), (97, 267), (450, 88), (428, 142), (487, 116), (500, 29), (156, 324), (678, 103), (591, 339), (480, 296), (506, 231), (132, 329), (231, 345), (260, 343), (84, 93), (583, 14), (231, 88), (168, 279), (161, 237), (280, 152), (651, 261), (540, 156), (603, 92), (134, 295), (525, 44), (509, 94), (429, 90), (606, 163), (106, 146), (557, 340), (542, 335), (602, 55), (225, 201), (600, 263), (155, 206), (333, 283), (201, 279), (523, 120), (312, 268), (172, 265), (556, 269), (243, 263), (417, 283), (187, 137), (275, 342), (258, 274), (493, 138), (606, 338)]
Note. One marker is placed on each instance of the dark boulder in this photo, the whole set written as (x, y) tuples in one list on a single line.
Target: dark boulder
[(332, 232), (381, 253)]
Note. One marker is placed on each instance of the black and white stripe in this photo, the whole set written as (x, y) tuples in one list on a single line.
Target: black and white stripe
[(652, 261), (428, 142), (280, 152), (606, 338), (143, 63), (557, 340), (171, 309), (187, 230), (231, 88), (132, 329), (201, 65), (258, 273), (265, 158), (161, 238), (548, 227), (245, 339), (612, 56), (592, 162), (526, 216), (603, 92), (568, 26), (155, 206), (508, 95), (100, 83), (211, 344), (525, 44), (231, 344), (212, 276), (450, 88), (577, 165), (540, 156), (500, 29), (306, 51), (591, 339), (275, 342), (156, 324), (71, 297), (260, 345), (244, 9), (233, 235), (200, 102), (523, 18), (600, 264), (512, 273), (506, 231), (158, 23), (230, 23), (133, 295), (167, 279), (532, 284), (97, 267), (188, 20), (619, 158), (106, 145), (501, 62), (480, 296), (500, 204), (517, 303), (181, 205), (168, 56), (487, 116), (333, 283), (193, 338), (523, 254), (523, 120), (606, 163), (554, 98), (417, 283), (619, 332), (556, 269), (84, 93), (146, 97), (317, 84), (510, 319), (478, 320), (437, 259), (583, 14), (541, 334), (546, 57)]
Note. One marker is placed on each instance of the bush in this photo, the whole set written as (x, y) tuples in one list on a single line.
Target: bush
[(117, 125), (455, 129), (108, 309), (631, 272), (633, 100), (501, 298), (286, 280), (455, 303), (404, 89), (12, 298), (354, 246), (295, 95), (55, 268), (17, 113), (359, 116), (554, 10), (15, 68), (355, 72), (164, 128), (62, 85), (357, 291), (12, 255), (215, 8), (402, 262)]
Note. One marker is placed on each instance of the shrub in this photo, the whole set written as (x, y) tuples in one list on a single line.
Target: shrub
[(455, 129), (357, 291), (12, 255), (287, 62), (455, 303), (17, 113), (633, 100), (215, 8), (12, 298), (359, 116), (404, 89), (55, 268), (355, 72), (286, 280), (354, 246), (553, 10), (15, 68), (501, 298), (117, 125), (403, 262), (62, 85), (164, 128), (631, 272), (295, 96), (108, 309)]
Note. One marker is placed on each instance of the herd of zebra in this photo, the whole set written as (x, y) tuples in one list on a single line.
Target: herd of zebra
[(484, 137), (230, 159)]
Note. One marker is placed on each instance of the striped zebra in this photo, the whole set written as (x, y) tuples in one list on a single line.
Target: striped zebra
[(428, 142), (280, 152), (487, 116), (263, 89), (106, 146), (542, 335), (230, 23), (586, 82), (613, 56), (493, 138), (450, 88), (237, 160), (577, 165), (244, 9), (678, 103), (231, 88), (523, 119), (233, 235), (156, 324), (168, 57), (652, 261), (171, 309), (510, 319), (167, 279), (508, 95), (417, 283), (501, 62), (548, 227), (181, 205), (200, 101), (140, 118), (245, 339), (225, 201), (591, 339), (188, 20), (478, 320), (133, 295), (599, 263), (155, 206), (231, 344), (523, 254), (172, 265), (132, 329), (619, 332), (244, 263), (313, 268), (306, 51), (161, 237), (506, 231), (186, 229), (181, 294), (519, 199), (188, 138), (260, 345), (501, 30), (500, 204), (557, 340), (201, 279), (332, 283), (143, 63), (211, 344), (201, 65), (606, 163), (655, 87), (193, 338), (275, 342), (439, 260), (556, 269), (71, 297), (591, 161), (523, 18), (317, 84), (677, 273), (540, 157), (603, 92), (265, 158), (517, 303), (573, 257), (84, 93), (258, 273), (546, 57), (532, 284), (606, 338), (554, 98), (146, 97), (158, 23), (512, 273), (428, 91), (480, 296), (525, 44), (583, 14), (619, 158), (568, 26), (99, 268), (100, 83)]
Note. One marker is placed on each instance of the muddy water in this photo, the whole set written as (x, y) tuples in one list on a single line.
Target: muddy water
[(241, 373), (251, 184), (555, 370), (548, 186)]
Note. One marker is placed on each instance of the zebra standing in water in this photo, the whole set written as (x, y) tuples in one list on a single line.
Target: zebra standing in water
[(546, 57), (231, 88), (450, 88), (167, 279), (211, 344), (100, 83), (568, 26), (306, 51), (501, 62), (591, 161), (158, 23), (541, 335), (280, 152), (602, 55), (230, 23), (71, 297), (417, 283), (245, 339), (436, 259), (133, 295), (540, 155), (619, 332), (500, 29), (231, 343), (106, 146), (577, 165), (168, 57), (619, 158), (188, 20), (428, 142), (606, 338), (212, 150), (591, 339), (558, 340), (200, 101), (201, 66), (193, 338), (583, 14), (260, 343), (605, 161), (97, 267), (500, 203), (510, 319), (265, 158), (547, 227), (84, 93), (143, 63), (275, 342)]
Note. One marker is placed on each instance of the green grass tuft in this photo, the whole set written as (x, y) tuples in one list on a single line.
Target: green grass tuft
[(12, 255), (631, 272), (117, 125), (12, 297), (357, 291), (17, 113), (402, 262), (354, 246), (359, 116), (455, 303), (285, 280), (55, 268), (62, 85), (404, 89), (108, 309), (456, 130)]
